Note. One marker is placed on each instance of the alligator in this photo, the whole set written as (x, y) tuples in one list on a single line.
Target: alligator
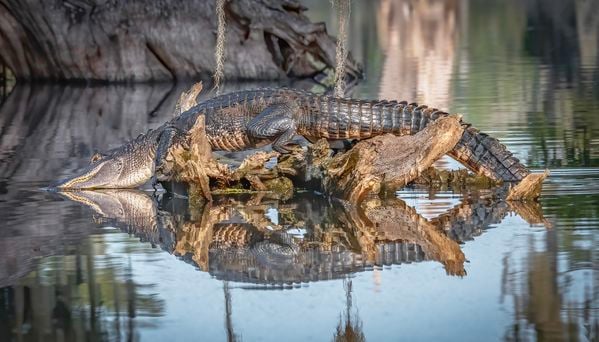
[(254, 118)]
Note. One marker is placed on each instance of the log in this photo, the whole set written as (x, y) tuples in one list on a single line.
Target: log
[(144, 40), (375, 166), (381, 163), (529, 188), (389, 162)]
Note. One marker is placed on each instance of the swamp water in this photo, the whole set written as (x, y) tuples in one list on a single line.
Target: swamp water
[(122, 265)]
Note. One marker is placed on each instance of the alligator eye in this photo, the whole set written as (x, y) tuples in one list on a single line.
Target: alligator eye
[(95, 157)]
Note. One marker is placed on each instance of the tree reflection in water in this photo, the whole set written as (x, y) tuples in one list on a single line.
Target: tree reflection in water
[(546, 306), (349, 328)]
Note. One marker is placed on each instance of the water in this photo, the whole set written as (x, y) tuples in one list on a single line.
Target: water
[(451, 264)]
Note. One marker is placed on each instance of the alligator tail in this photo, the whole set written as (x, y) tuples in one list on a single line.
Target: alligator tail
[(479, 152), (483, 154), (335, 118)]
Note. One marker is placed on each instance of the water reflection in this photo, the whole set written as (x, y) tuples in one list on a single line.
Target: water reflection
[(546, 302), (419, 39), (250, 240), (263, 241), (349, 328)]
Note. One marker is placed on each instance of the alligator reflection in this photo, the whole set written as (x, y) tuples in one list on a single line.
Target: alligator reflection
[(309, 239)]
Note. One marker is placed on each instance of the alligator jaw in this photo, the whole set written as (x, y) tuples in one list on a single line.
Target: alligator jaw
[(101, 174)]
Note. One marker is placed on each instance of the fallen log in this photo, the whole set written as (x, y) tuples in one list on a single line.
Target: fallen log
[(376, 166), (389, 162), (385, 162)]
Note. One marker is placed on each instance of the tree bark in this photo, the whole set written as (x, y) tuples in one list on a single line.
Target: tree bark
[(143, 40), (389, 161)]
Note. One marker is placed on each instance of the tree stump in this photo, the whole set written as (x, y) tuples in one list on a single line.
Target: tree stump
[(529, 188)]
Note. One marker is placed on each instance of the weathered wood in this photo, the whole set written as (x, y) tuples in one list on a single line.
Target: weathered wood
[(192, 163), (188, 99), (144, 40), (371, 167), (389, 161), (529, 188), (385, 162)]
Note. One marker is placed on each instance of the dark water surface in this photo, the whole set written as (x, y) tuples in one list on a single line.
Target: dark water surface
[(455, 265)]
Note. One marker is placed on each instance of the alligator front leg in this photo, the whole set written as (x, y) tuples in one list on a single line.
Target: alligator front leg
[(275, 123), (167, 138)]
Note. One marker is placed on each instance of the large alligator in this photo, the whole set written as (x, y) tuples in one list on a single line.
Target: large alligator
[(253, 118)]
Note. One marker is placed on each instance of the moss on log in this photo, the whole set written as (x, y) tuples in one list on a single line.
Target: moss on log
[(455, 178)]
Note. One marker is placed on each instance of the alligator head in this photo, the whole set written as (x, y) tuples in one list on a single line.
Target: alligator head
[(103, 173), (125, 206), (128, 166)]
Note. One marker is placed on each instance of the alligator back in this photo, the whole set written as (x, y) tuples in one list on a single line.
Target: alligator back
[(226, 116)]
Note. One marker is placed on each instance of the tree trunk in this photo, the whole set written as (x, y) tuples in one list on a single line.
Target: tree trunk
[(143, 40)]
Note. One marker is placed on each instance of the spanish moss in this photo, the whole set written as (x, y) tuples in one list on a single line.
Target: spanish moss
[(343, 10), (219, 52)]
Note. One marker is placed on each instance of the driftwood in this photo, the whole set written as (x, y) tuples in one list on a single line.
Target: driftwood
[(380, 163), (145, 40), (374, 166), (529, 188), (389, 161)]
